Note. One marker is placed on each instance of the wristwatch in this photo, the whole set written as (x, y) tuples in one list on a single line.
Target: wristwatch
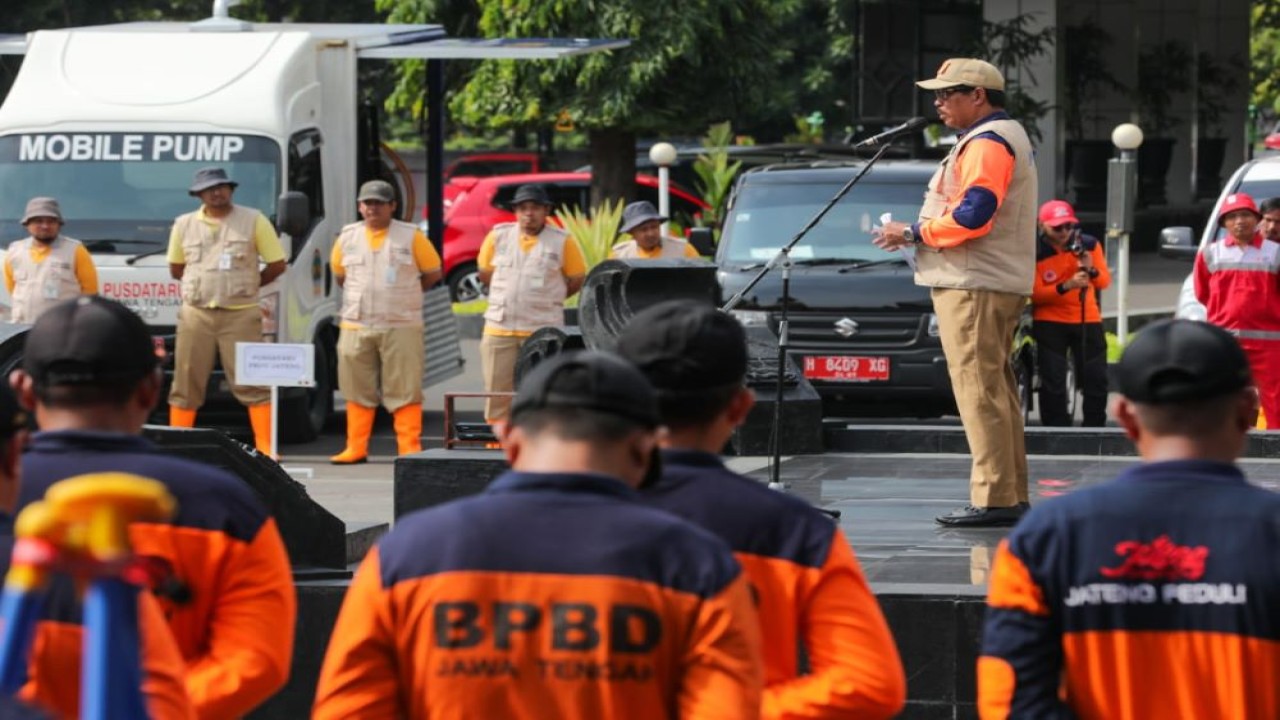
[(909, 235)]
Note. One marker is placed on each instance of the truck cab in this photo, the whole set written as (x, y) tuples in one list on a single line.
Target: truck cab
[(114, 122)]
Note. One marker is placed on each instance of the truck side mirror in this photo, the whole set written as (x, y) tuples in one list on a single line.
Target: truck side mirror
[(703, 240), (1177, 243), (293, 218)]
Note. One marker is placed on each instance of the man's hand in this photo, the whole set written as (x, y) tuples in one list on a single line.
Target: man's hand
[(1086, 260), (890, 236), (1079, 280)]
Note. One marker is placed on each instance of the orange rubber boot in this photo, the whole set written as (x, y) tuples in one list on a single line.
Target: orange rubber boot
[(260, 420), (359, 428), (182, 417), (408, 424)]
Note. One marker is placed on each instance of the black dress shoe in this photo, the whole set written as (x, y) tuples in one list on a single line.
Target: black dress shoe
[(970, 516)]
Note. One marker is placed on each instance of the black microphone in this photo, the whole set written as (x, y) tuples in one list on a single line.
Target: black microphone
[(889, 135)]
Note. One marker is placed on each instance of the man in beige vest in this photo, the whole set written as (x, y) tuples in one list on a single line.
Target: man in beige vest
[(215, 252), (642, 221), (530, 268), (47, 266), (383, 266), (975, 247)]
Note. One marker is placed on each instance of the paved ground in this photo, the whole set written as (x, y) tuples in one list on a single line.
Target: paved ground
[(363, 492)]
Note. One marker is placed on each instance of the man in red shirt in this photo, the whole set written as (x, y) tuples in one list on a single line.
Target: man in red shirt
[(1237, 279), (1069, 268)]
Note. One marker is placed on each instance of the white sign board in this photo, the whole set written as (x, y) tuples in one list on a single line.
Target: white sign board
[(275, 364)]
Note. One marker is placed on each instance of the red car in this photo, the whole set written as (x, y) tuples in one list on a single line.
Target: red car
[(1272, 140), (495, 163), (474, 205)]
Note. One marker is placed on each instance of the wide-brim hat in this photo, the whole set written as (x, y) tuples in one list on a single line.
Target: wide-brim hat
[(210, 177), (637, 214), (965, 71), (39, 207), (530, 193)]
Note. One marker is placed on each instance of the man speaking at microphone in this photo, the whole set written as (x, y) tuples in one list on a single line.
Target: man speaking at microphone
[(975, 243)]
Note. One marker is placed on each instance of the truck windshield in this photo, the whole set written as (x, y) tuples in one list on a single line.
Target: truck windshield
[(120, 192), (767, 216)]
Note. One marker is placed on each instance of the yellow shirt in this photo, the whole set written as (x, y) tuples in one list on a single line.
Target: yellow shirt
[(424, 253), (264, 239), (656, 253), (572, 264), (424, 256), (86, 273)]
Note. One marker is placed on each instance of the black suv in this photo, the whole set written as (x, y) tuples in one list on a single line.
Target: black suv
[(862, 331)]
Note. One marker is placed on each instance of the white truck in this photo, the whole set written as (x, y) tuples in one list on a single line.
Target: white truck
[(114, 121)]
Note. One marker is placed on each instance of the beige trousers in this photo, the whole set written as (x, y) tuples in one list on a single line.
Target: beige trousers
[(381, 365), (977, 329), (498, 365), (202, 332)]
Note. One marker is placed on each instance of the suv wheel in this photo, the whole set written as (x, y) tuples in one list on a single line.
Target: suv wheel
[(464, 283)]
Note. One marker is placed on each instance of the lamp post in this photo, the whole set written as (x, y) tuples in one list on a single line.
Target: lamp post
[(1122, 185), (664, 156)]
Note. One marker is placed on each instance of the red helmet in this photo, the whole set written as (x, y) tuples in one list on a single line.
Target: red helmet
[(1237, 201), (1057, 212)]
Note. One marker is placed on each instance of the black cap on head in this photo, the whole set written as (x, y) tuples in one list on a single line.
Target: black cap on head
[(88, 341), (1175, 361), (531, 193), (686, 347), (598, 381)]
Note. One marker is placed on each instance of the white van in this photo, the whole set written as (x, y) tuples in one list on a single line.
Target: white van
[(1260, 179)]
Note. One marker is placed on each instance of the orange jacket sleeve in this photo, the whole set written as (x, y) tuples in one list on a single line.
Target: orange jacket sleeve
[(1020, 668), (358, 678), (724, 662), (250, 631), (855, 670), (985, 170), (58, 653)]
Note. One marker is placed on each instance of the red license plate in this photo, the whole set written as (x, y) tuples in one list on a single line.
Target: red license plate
[(850, 368)]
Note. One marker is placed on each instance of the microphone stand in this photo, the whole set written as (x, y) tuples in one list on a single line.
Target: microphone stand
[(783, 259)]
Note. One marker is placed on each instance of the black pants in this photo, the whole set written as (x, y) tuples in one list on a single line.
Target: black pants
[(1054, 341)]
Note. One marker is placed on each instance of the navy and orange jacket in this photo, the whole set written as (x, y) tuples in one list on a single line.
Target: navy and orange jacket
[(1155, 595), (809, 589), (548, 596), (986, 169), (229, 597), (57, 651), (1054, 267)]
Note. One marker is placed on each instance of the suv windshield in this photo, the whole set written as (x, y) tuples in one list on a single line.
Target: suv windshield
[(767, 215), (120, 192)]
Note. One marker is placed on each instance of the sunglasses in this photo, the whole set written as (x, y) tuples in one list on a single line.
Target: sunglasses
[(945, 93), (1068, 227)]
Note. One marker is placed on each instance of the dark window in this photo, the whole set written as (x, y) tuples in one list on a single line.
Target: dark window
[(305, 171), (486, 168)]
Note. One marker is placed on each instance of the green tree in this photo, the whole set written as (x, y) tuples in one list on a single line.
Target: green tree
[(690, 63), (1264, 55)]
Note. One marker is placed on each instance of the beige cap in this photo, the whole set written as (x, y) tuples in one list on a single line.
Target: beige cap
[(965, 71), (39, 207)]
